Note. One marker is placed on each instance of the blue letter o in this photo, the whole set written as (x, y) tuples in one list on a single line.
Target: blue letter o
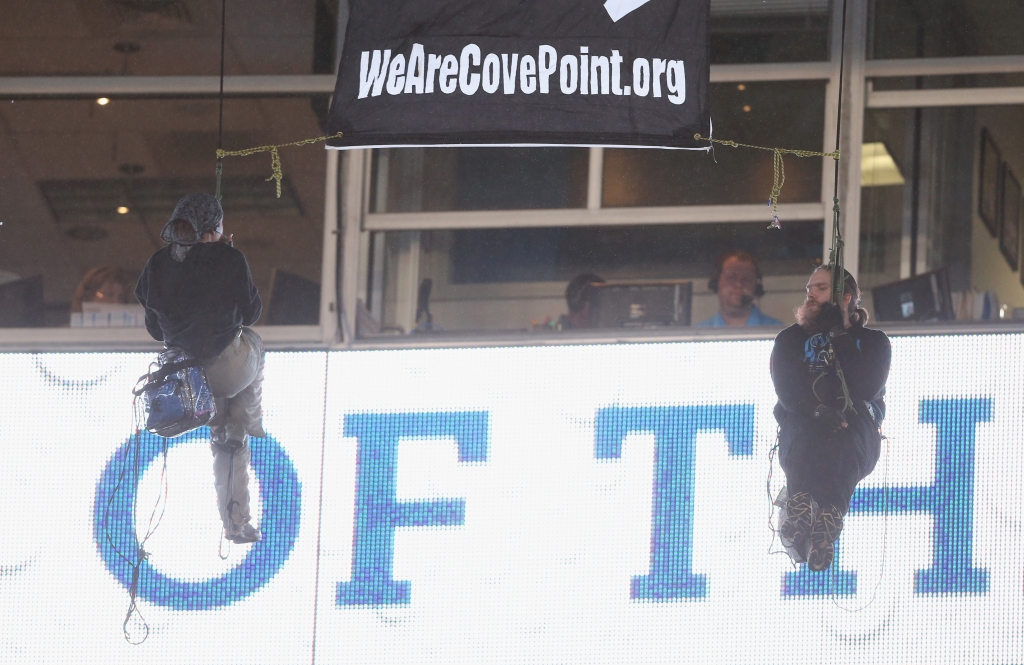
[(281, 495)]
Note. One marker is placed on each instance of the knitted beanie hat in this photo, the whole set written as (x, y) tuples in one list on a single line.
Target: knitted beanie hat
[(202, 212)]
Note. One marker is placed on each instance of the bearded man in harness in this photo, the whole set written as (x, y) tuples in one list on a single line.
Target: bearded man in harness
[(829, 373)]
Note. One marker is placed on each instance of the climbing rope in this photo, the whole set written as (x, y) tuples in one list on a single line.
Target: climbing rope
[(836, 255), (275, 157), (277, 174), (220, 97), (778, 166)]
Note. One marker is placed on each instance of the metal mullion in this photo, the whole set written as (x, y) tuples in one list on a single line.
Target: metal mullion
[(945, 97), (1003, 64), (163, 86), (491, 219), (328, 295), (831, 112), (306, 84), (773, 71), (353, 210), (595, 178), (853, 135)]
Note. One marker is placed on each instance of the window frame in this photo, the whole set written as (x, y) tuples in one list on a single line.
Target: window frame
[(321, 335), (348, 222)]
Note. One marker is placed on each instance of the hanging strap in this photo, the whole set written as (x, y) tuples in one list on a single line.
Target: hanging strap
[(165, 371)]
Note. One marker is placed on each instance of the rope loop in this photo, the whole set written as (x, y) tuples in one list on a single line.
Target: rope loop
[(277, 174), (778, 168)]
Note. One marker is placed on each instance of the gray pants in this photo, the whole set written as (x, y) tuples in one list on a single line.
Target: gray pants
[(236, 381)]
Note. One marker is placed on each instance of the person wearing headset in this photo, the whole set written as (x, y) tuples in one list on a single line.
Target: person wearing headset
[(737, 281), (578, 299)]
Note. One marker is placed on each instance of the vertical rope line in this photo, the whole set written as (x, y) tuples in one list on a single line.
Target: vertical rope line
[(839, 105), (220, 113), (836, 255), (836, 258)]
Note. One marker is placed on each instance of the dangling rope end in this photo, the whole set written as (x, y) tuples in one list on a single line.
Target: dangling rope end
[(275, 166)]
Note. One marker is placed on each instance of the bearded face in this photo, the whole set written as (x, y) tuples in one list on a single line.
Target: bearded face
[(819, 292), (807, 315)]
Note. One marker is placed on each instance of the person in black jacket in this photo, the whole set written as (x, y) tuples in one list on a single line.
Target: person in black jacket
[(829, 373), (199, 296)]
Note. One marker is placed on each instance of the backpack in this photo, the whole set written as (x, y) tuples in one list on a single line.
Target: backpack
[(175, 395)]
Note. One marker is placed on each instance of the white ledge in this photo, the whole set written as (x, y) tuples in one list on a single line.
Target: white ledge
[(1001, 64), (114, 86), (127, 340), (890, 99), (493, 219), (317, 84), (31, 340)]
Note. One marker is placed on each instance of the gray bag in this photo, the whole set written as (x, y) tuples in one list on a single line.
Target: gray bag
[(175, 394)]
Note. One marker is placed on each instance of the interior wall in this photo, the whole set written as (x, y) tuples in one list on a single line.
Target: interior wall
[(516, 306), (990, 270)]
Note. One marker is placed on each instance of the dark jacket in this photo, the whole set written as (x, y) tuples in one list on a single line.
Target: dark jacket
[(798, 359), (198, 304)]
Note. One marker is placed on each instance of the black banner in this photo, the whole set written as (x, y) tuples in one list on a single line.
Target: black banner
[(523, 72)]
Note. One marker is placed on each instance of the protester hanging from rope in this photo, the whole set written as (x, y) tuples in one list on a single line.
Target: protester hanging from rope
[(829, 373), (199, 296)]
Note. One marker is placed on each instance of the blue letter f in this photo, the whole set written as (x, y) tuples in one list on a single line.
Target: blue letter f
[(378, 512)]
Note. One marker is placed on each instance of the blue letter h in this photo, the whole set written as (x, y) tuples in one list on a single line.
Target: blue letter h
[(950, 500)]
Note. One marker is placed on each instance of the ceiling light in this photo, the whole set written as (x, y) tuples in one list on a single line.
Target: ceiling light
[(122, 210), (877, 167), (102, 101), (746, 108), (741, 86)]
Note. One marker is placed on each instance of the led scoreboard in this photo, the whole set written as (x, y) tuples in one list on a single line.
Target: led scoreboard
[(574, 504)]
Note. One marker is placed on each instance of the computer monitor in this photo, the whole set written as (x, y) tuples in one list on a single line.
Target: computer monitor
[(641, 304), (294, 301), (21, 303), (924, 297)]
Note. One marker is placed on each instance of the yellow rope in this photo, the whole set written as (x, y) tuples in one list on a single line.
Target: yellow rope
[(778, 167), (275, 157)]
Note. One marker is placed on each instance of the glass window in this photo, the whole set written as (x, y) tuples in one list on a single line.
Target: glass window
[(941, 191), (745, 31), (84, 186), (515, 279), (442, 179), (779, 113), (946, 28), (166, 37)]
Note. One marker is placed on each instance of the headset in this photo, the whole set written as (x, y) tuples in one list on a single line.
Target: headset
[(579, 290), (742, 256)]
